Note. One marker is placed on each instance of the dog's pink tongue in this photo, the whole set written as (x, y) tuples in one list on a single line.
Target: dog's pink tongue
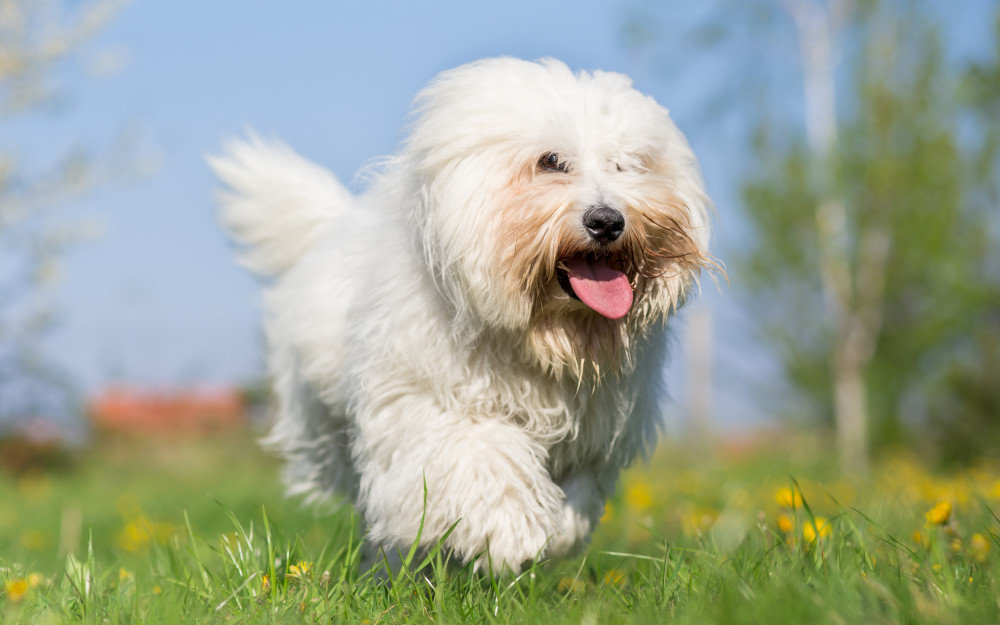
[(604, 289)]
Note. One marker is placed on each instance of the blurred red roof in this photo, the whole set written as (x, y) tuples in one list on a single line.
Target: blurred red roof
[(124, 410)]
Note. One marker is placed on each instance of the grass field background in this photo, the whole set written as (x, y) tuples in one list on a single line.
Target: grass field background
[(197, 531)]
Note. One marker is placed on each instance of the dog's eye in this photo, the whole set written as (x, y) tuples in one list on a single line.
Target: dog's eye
[(550, 162)]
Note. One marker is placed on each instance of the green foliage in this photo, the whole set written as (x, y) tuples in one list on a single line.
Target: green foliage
[(962, 419), (908, 180)]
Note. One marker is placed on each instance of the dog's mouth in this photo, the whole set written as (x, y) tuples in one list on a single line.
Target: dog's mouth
[(595, 281)]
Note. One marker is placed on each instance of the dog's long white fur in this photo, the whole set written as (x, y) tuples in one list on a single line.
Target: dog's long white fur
[(400, 352)]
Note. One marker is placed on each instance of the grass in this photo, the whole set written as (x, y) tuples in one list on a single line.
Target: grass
[(197, 531)]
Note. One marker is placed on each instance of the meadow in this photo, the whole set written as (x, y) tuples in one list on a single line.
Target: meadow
[(198, 531)]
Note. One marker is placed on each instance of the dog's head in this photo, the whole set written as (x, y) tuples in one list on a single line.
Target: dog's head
[(565, 209)]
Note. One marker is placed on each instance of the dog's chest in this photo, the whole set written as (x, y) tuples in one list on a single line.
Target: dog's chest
[(577, 424), (598, 425)]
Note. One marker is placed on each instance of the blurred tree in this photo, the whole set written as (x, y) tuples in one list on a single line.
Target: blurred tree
[(868, 264), (964, 415), (36, 36)]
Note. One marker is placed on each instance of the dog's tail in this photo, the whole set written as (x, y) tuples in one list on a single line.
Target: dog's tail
[(277, 202)]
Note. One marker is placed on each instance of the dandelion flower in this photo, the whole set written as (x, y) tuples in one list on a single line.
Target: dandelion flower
[(979, 547), (265, 583), (939, 514), (788, 498), (570, 585), (614, 577), (638, 496), (16, 589), (696, 520), (816, 528), (140, 533), (300, 571), (785, 523)]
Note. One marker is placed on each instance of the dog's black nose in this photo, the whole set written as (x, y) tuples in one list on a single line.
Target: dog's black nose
[(604, 223)]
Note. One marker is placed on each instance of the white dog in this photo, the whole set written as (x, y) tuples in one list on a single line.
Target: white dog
[(485, 326)]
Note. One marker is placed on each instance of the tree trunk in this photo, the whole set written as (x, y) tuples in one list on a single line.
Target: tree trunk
[(850, 409), (699, 356), (853, 316)]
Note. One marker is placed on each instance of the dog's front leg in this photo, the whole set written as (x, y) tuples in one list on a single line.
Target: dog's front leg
[(485, 477), (582, 509)]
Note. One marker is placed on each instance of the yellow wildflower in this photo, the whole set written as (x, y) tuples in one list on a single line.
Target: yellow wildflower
[(696, 520), (638, 496), (785, 523), (921, 539), (300, 570), (16, 589), (614, 577), (139, 533), (816, 528), (939, 514), (979, 547), (570, 585), (788, 498), (265, 583)]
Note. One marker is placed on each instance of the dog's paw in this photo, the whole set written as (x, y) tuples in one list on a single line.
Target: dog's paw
[(507, 519), (487, 489), (513, 532)]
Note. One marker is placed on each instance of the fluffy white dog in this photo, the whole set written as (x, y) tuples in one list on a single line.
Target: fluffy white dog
[(486, 322)]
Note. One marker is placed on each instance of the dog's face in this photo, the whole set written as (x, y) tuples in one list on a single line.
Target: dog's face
[(564, 209)]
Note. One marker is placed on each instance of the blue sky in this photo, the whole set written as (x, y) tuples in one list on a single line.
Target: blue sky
[(157, 301)]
